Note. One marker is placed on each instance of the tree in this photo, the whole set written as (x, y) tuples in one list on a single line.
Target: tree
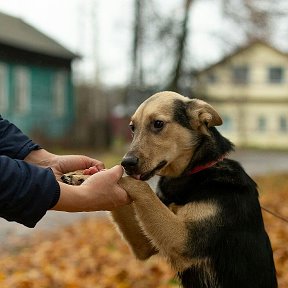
[(256, 19), (137, 44), (180, 49), (161, 37)]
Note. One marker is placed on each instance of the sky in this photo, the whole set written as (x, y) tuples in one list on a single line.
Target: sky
[(79, 24)]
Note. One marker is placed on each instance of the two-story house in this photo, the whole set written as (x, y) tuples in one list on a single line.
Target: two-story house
[(249, 88), (36, 91)]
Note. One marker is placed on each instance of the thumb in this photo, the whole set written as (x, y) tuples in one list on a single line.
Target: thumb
[(117, 171)]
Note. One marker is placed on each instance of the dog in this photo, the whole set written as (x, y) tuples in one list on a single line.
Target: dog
[(205, 217)]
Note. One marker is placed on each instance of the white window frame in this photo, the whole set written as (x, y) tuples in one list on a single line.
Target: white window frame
[(59, 93), (22, 90), (4, 88)]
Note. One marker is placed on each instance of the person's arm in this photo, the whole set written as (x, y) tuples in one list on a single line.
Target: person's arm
[(100, 192), (13, 143), (29, 188), (26, 191)]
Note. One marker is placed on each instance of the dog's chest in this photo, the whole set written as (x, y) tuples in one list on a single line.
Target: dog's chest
[(177, 191)]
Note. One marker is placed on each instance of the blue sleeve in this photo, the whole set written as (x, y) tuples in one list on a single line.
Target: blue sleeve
[(13, 143), (26, 191)]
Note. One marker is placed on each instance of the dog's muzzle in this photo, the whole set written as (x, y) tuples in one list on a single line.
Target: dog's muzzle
[(130, 162), (131, 165)]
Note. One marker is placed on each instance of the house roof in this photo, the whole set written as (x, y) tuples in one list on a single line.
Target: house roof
[(238, 51), (16, 33)]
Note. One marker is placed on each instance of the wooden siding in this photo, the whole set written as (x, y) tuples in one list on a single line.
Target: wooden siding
[(40, 117), (255, 112)]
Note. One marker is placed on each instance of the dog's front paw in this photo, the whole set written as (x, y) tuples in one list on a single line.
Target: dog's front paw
[(74, 178), (135, 188)]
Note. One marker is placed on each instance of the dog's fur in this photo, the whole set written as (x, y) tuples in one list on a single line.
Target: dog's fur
[(205, 218), (208, 224)]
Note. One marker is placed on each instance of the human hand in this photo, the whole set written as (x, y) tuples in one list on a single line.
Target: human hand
[(64, 164), (68, 163), (99, 192)]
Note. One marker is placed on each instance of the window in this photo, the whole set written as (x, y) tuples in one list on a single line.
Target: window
[(261, 124), (60, 91), (240, 74), (4, 100), (283, 124), (22, 90), (211, 78), (275, 75), (227, 123)]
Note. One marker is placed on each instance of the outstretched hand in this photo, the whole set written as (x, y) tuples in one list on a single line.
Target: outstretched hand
[(68, 163), (100, 191), (61, 164)]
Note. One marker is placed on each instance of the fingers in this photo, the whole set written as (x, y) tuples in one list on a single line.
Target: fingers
[(117, 171), (69, 163), (92, 170), (104, 186), (111, 176), (90, 162)]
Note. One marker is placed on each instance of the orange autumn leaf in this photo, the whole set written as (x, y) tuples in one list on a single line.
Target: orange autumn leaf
[(91, 254)]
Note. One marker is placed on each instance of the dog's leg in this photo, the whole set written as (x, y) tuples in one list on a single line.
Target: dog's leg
[(167, 231), (128, 224)]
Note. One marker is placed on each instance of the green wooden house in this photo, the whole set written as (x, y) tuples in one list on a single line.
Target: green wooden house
[(36, 91)]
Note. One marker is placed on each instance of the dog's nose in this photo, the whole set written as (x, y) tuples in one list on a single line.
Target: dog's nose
[(129, 162)]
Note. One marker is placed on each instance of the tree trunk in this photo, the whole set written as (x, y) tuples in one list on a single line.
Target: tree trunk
[(180, 50)]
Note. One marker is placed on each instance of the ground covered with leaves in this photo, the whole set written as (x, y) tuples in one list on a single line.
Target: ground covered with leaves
[(90, 253), (274, 196)]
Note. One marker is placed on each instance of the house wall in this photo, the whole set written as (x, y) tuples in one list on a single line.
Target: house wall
[(259, 58), (255, 113), (46, 107), (241, 124)]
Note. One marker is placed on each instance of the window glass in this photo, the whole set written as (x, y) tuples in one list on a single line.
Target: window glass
[(240, 74), (211, 78), (283, 124), (60, 92), (4, 100), (227, 123), (22, 90), (262, 124), (276, 75)]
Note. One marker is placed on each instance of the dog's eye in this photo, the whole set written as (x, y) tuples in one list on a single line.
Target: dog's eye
[(158, 124)]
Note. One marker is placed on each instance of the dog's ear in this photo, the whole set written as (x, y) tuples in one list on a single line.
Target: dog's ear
[(202, 115)]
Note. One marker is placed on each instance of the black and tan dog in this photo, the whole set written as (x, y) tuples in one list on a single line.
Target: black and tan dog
[(205, 218)]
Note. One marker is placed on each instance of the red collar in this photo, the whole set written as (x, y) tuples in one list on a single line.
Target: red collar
[(205, 166)]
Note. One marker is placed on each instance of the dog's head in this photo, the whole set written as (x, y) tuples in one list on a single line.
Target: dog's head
[(166, 130)]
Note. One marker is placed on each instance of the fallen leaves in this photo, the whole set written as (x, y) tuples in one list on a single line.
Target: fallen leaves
[(91, 254), (274, 196), (88, 254)]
